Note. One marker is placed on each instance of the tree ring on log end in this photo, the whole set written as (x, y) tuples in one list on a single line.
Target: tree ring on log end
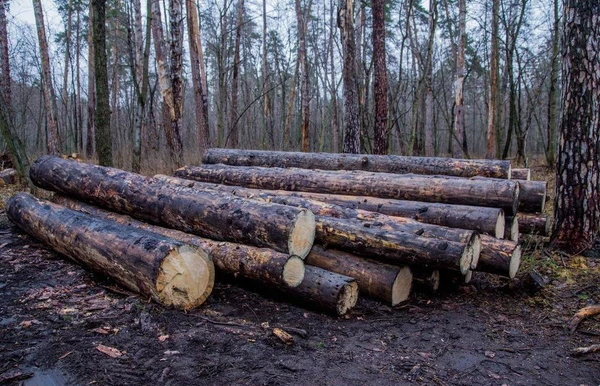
[(302, 236), (500, 225), (293, 271), (475, 244), (348, 297), (186, 277), (515, 262), (402, 286)]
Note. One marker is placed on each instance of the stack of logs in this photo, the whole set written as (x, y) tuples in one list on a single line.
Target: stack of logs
[(314, 228)]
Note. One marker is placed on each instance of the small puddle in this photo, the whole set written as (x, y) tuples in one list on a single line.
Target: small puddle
[(48, 377)]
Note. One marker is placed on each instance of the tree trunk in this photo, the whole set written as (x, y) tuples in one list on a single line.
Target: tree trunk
[(326, 291), (428, 82), (387, 283), (226, 218), (502, 194), (170, 272), (176, 77), (491, 149), (302, 16), (334, 104), (577, 202), (486, 220), (102, 111), (16, 149), (521, 174), (553, 94), (459, 138), (380, 86), (167, 89), (260, 265), (372, 163), (200, 99), (349, 77), (233, 128), (266, 82), (53, 142), (534, 224), (91, 106)]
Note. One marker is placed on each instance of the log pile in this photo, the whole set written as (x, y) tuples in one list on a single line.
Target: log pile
[(313, 229)]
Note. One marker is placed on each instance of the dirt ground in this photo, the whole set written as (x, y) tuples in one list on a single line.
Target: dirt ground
[(60, 324)]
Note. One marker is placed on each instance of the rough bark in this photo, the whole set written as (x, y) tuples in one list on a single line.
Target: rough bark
[(302, 16), (53, 145), (91, 105), (260, 265), (481, 219), (349, 77), (500, 257), (552, 93), (102, 111), (533, 224), (521, 174), (219, 217), (380, 86), (384, 282), (373, 163), (502, 194), (8, 177), (577, 201), (170, 272), (532, 194), (428, 82), (200, 99), (327, 291), (492, 140)]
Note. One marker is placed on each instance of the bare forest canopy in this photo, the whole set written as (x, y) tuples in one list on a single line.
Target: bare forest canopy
[(407, 77)]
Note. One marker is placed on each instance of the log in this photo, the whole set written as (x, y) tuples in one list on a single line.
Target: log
[(215, 216), (8, 177), (326, 291), (384, 282), (532, 194), (521, 174), (500, 257), (481, 219), (373, 163), (534, 223), (257, 265), (426, 280), (368, 219), (512, 228), (397, 248), (489, 192), (170, 272)]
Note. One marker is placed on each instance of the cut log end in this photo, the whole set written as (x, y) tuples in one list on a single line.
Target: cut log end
[(475, 245), (186, 278), (468, 277), (466, 259), (293, 271), (348, 297), (302, 236), (515, 262), (500, 225), (509, 172), (402, 286), (514, 230)]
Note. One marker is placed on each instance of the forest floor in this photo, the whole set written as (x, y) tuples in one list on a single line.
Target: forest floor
[(60, 324)]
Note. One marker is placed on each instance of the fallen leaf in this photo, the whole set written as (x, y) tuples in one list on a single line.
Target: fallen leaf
[(110, 351), (101, 330), (172, 352), (490, 354), (65, 355), (25, 324), (162, 338)]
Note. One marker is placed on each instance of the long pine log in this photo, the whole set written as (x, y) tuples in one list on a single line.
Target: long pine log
[(170, 272), (497, 193), (384, 282), (500, 257), (532, 194), (373, 163), (258, 265), (521, 174), (216, 216), (533, 223)]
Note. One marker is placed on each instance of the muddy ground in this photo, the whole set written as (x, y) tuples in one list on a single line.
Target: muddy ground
[(60, 324)]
